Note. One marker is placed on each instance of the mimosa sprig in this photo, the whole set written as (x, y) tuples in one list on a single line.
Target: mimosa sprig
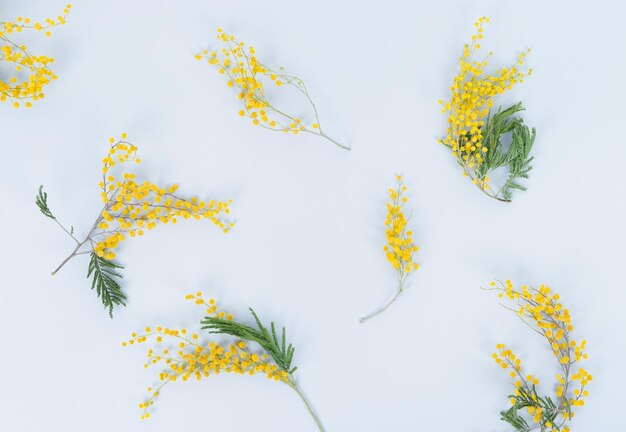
[(193, 358), (32, 72), (130, 208), (245, 72), (475, 135), (543, 312), (400, 248)]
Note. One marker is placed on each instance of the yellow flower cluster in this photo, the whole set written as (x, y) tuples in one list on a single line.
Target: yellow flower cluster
[(189, 357), (473, 92), (249, 76), (542, 310), (32, 72), (400, 247), (131, 207)]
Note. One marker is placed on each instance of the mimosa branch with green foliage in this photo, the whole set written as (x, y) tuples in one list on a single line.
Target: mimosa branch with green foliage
[(477, 136), (192, 358), (129, 209), (32, 72), (543, 312), (249, 76), (400, 248)]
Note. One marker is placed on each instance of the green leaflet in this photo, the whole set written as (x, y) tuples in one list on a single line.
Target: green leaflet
[(528, 398), (42, 202), (512, 418), (280, 352), (104, 274), (516, 157)]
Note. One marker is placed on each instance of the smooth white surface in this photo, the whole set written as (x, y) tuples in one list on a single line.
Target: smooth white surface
[(307, 248)]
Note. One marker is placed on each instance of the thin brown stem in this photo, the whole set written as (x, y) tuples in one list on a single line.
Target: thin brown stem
[(323, 135), (79, 244), (489, 192), (399, 291), (69, 257), (294, 385)]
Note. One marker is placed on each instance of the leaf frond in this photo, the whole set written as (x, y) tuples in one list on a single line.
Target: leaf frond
[(104, 274), (517, 157), (41, 200), (277, 348), (525, 398)]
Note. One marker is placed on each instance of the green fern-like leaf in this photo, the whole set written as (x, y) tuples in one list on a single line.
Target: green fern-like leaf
[(41, 199), (528, 397), (103, 273), (276, 348), (512, 418), (517, 157), (495, 128), (519, 165)]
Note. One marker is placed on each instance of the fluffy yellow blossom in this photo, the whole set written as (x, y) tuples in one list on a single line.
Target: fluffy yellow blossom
[(543, 311), (130, 209), (183, 355), (400, 248), (472, 93), (186, 357), (133, 208), (24, 74), (245, 72)]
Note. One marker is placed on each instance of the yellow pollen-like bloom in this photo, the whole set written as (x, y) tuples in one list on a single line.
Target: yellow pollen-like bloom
[(196, 359), (542, 310), (400, 249), (131, 208), (251, 78), (26, 74), (472, 94)]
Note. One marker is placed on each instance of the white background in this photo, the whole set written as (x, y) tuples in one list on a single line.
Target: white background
[(307, 247)]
